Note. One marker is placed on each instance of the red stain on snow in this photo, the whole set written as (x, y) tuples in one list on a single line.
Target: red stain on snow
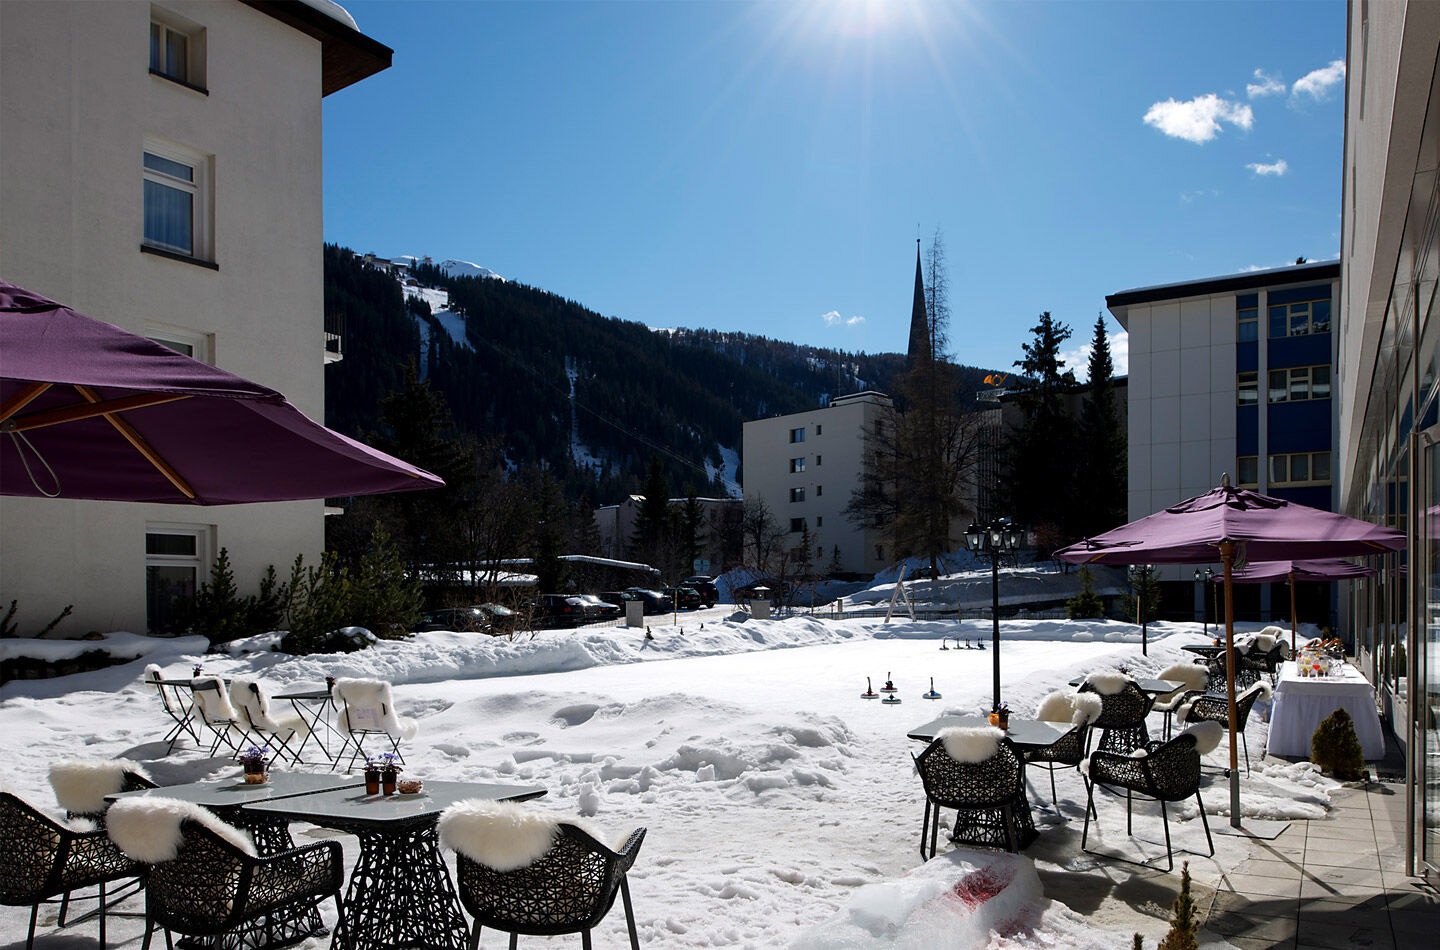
[(977, 887)]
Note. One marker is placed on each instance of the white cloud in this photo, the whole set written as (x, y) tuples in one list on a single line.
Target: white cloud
[(1318, 83), (1187, 197), (1276, 168), (1264, 85), (833, 319), (1198, 120), (1078, 359)]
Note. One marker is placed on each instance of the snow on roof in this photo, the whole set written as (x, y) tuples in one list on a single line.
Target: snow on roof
[(334, 11)]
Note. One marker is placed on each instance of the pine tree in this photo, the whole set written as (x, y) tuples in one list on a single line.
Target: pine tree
[(654, 530), (549, 518), (1042, 450), (1102, 444), (1184, 925)]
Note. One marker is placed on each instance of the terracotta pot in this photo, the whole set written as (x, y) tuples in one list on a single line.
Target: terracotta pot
[(388, 780), (372, 781)]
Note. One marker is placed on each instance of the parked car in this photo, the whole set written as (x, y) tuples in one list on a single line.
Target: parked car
[(773, 591), (705, 585), (599, 609), (617, 597), (459, 619), (502, 619), (655, 602), (558, 610), (686, 598)]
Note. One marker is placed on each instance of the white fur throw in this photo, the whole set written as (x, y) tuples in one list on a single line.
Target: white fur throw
[(1207, 735), (1262, 642), (147, 827), (1107, 684), (505, 836), (971, 743), (81, 784), (213, 704), (1087, 708), (1189, 675), (1068, 706), (256, 706), (367, 704), (153, 676), (1274, 632)]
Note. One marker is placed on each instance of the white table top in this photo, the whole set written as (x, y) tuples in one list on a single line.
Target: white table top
[(1343, 678)]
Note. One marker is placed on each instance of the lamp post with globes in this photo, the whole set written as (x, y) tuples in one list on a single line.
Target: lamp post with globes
[(995, 540)]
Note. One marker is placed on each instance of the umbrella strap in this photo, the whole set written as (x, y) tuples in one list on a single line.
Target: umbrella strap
[(21, 439)]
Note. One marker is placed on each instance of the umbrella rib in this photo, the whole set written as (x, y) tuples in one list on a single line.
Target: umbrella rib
[(22, 399), (138, 441), (94, 407)]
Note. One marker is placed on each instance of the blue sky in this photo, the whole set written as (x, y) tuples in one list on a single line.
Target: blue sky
[(766, 167)]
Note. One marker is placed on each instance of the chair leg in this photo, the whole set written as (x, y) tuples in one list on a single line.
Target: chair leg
[(64, 909), (925, 829), (475, 938), (1054, 795), (30, 938), (629, 912), (1129, 798), (514, 941), (102, 915), (1246, 743), (1007, 814), (1206, 823), (1169, 850), (169, 943), (585, 940), (1089, 810), (935, 832)]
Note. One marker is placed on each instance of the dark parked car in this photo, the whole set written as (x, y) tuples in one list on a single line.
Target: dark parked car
[(686, 598), (459, 619), (598, 608), (502, 618), (558, 610), (705, 585), (655, 602), (617, 597)]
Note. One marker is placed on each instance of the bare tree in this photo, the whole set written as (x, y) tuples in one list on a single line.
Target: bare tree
[(763, 537)]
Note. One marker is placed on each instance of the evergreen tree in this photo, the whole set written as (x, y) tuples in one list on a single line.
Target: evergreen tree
[(1102, 444), (549, 519), (690, 530), (1042, 450), (651, 539), (1183, 926)]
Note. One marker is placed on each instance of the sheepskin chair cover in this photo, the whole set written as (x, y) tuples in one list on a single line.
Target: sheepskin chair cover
[(1087, 708), (81, 784), (505, 836), (153, 676), (1107, 684), (1058, 706), (1207, 735), (1191, 676), (1262, 643), (1274, 632), (1285, 653), (147, 827), (970, 744), (213, 704), (257, 707), (370, 705)]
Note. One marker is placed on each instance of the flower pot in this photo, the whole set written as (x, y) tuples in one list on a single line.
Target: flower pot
[(372, 781), (388, 781)]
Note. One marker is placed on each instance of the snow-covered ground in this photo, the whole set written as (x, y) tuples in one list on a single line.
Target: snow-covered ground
[(783, 809)]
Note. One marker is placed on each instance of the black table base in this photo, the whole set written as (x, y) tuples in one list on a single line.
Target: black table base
[(400, 894), (986, 827)]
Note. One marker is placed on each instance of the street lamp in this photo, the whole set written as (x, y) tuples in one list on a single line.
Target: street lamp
[(995, 540), (1140, 576)]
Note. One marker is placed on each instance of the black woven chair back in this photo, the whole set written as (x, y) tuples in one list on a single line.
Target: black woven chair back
[(198, 891), (1169, 773), (969, 785), (30, 842), (1217, 709), (571, 888), (1123, 710), (1069, 749)]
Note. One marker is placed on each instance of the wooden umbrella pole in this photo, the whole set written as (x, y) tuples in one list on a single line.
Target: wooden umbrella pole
[(1294, 617), (137, 441), (1227, 560)]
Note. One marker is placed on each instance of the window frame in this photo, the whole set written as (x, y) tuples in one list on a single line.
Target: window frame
[(201, 345), (797, 525), (1293, 378), (199, 562), (797, 435), (1253, 388), (797, 465), (1240, 478), (1250, 323), (1299, 318), (797, 494), (1310, 479), (192, 74), (199, 189)]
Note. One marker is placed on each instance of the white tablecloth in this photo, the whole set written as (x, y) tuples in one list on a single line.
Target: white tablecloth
[(1302, 703)]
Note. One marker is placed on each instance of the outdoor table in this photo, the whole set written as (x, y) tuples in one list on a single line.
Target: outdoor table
[(271, 835), (1303, 702), (1207, 650), (1146, 685), (314, 707), (1024, 734), (400, 893)]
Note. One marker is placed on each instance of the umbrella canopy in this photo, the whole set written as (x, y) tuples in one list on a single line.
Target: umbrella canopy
[(1236, 524), (1320, 570), (88, 410)]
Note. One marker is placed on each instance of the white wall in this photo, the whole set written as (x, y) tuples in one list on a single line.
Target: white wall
[(76, 104)]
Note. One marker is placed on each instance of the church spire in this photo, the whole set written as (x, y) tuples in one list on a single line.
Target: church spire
[(919, 350)]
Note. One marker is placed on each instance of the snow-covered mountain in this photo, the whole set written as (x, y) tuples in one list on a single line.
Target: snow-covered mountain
[(456, 268)]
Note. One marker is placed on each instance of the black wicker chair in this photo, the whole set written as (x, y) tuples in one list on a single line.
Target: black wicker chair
[(212, 886), (45, 860), (989, 798), (1169, 772), (1210, 708), (568, 890), (1122, 717), (1067, 752)]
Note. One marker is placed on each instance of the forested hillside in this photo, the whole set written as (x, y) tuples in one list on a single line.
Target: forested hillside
[(589, 397)]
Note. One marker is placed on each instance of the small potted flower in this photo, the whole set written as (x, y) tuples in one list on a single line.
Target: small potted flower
[(389, 772), (1001, 716), (372, 776), (256, 765), (197, 671)]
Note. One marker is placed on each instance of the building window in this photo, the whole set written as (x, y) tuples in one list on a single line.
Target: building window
[(175, 557), (818, 458), (797, 465), (1300, 468), (1299, 383), (797, 435), (819, 490), (177, 49), (1247, 323), (797, 494), (1247, 471), (819, 428), (197, 346), (819, 521), (797, 525), (1247, 389), (1299, 319), (175, 199)]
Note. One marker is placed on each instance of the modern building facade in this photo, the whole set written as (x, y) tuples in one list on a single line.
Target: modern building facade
[(1388, 379), (1232, 375), (160, 169), (616, 526), (806, 465)]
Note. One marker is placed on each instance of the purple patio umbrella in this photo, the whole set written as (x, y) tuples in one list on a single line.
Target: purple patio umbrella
[(88, 410), (1321, 569), (1233, 524)]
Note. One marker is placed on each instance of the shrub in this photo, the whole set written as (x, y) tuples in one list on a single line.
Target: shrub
[(383, 598), (219, 613), (10, 628), (1184, 925), (1086, 604), (1335, 748), (319, 603)]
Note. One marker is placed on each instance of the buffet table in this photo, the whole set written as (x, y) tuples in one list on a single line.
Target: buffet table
[(1302, 703)]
